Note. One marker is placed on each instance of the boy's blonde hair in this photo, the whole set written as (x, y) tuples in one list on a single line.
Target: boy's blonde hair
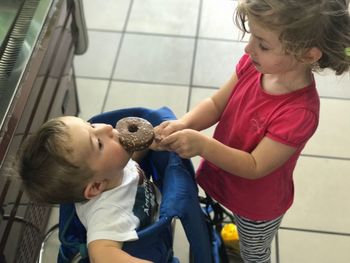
[(46, 169), (303, 24)]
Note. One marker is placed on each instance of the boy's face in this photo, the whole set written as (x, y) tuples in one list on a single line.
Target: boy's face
[(97, 145)]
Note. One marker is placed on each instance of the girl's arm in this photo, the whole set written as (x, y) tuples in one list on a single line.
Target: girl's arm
[(264, 159), (106, 251), (207, 113), (204, 115)]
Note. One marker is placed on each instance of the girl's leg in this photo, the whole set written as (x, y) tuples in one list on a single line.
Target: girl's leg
[(255, 238)]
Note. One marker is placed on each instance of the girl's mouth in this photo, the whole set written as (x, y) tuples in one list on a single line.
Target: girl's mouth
[(255, 63)]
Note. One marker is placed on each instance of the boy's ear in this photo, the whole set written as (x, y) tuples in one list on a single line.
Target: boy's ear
[(312, 55), (94, 188)]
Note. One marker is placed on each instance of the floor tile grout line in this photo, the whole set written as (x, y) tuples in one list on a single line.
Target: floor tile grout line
[(315, 231), (332, 98), (139, 81), (168, 35), (114, 67), (326, 157), (277, 246), (189, 97), (150, 82)]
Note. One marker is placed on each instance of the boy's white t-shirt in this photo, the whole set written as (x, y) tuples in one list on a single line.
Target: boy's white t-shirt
[(110, 215)]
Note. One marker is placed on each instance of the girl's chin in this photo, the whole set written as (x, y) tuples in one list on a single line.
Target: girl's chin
[(258, 67)]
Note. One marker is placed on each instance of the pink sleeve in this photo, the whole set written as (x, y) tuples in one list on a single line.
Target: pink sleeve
[(243, 65), (294, 127)]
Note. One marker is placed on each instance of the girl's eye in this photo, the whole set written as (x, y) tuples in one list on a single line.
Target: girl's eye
[(263, 48)]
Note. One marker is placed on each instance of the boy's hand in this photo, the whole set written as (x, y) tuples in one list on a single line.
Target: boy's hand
[(186, 143), (105, 251)]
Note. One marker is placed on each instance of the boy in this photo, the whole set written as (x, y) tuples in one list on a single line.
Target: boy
[(70, 160)]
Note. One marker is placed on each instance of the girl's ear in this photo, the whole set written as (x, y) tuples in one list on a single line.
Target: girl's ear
[(94, 188), (312, 55)]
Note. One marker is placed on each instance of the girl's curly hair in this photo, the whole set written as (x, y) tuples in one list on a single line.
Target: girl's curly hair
[(302, 24)]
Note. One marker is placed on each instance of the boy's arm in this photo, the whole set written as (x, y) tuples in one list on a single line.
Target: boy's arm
[(106, 251)]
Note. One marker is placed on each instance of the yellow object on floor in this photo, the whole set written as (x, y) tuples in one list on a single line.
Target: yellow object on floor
[(230, 237)]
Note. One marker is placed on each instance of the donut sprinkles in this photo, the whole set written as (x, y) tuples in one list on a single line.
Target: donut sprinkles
[(135, 134)]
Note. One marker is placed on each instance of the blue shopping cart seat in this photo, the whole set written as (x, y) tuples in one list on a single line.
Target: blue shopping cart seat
[(174, 177)]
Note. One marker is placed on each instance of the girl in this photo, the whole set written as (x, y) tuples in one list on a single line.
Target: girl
[(266, 113)]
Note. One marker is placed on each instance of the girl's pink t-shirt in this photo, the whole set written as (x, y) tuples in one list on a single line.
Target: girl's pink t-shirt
[(250, 115)]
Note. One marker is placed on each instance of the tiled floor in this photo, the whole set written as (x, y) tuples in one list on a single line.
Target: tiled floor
[(176, 52)]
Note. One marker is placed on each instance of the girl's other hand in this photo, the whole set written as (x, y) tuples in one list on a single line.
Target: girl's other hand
[(187, 143)]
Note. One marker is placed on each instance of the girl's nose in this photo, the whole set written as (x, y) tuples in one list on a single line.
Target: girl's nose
[(248, 47)]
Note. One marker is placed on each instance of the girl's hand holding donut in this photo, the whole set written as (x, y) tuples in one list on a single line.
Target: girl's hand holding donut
[(156, 144), (168, 127)]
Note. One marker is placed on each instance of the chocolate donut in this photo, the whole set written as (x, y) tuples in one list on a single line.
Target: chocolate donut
[(135, 134)]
